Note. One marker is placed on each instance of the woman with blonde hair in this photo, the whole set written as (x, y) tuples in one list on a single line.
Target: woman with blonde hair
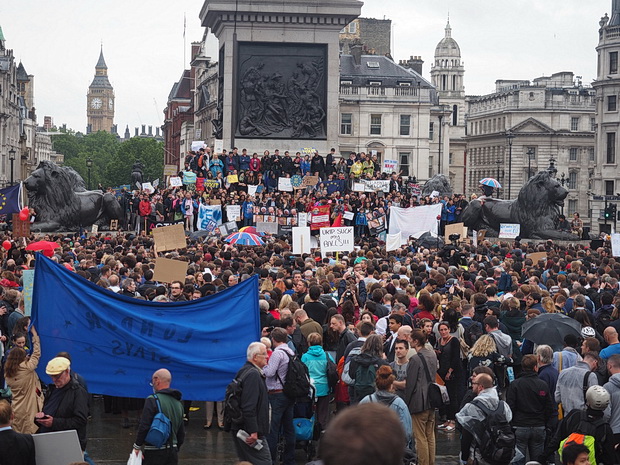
[(267, 285), (483, 353), (23, 380), (548, 305), (286, 299)]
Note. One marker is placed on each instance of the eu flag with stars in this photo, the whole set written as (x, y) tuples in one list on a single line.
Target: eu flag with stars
[(9, 200)]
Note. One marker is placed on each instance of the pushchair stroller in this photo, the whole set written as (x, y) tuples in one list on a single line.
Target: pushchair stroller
[(306, 427)]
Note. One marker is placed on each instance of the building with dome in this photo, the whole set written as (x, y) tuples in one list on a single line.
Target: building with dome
[(447, 73)]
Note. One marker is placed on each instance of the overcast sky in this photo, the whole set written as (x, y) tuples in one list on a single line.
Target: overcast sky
[(58, 41)]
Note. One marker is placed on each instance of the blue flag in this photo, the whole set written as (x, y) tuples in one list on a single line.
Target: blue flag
[(9, 199), (117, 342)]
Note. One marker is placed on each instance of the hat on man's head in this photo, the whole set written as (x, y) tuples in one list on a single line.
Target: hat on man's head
[(57, 365)]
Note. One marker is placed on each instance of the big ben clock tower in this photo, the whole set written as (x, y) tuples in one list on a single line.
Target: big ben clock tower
[(100, 100)]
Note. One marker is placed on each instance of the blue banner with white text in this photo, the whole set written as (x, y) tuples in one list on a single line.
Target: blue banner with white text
[(117, 342)]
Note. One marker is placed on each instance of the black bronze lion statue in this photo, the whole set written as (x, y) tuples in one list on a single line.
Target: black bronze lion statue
[(62, 203), (536, 209), (439, 183)]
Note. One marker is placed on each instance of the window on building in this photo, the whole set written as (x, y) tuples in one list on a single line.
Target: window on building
[(450, 158), (609, 188), (572, 154), (403, 162), (444, 82), (611, 147), (592, 124), (591, 153), (613, 62), (352, 27), (346, 124), (574, 123), (375, 125), (431, 131), (455, 115), (572, 206), (572, 180), (611, 102), (405, 125)]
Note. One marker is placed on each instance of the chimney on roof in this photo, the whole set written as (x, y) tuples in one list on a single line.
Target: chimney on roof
[(356, 52), (137, 132), (414, 63), (157, 131), (127, 133), (143, 133), (150, 131)]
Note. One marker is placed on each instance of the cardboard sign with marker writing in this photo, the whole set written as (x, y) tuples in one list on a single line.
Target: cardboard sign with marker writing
[(537, 256), (456, 228), (169, 237), (309, 181), (20, 228), (167, 270)]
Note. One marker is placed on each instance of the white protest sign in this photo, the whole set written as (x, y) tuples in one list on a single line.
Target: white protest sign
[(57, 447), (301, 240), (302, 219), (392, 242), (372, 185), (148, 187), (233, 212), (197, 145), (267, 227), (359, 187), (615, 244), (414, 221), (348, 215), (175, 181), (390, 166), (509, 230), (284, 184), (218, 146), (336, 239), (252, 190), (156, 183), (474, 238)]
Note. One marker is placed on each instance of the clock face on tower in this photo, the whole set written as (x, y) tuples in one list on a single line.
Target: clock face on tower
[(96, 103), (110, 103)]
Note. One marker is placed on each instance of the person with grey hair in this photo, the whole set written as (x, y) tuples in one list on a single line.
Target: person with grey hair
[(266, 318), (129, 288), (546, 370), (255, 407)]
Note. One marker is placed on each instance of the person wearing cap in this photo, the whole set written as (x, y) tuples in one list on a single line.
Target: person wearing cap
[(597, 400), (66, 404)]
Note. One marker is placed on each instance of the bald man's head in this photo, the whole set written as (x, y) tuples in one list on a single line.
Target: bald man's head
[(161, 379), (611, 335)]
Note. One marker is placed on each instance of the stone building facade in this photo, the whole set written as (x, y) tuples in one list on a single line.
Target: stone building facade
[(374, 35), (552, 120)]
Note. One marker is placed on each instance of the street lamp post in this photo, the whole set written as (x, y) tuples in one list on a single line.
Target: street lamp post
[(498, 163), (509, 137), (12, 160), (89, 165), (562, 181), (530, 152)]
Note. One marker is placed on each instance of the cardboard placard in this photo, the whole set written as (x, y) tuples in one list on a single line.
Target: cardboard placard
[(509, 230), (302, 219), (28, 278), (309, 181), (113, 225), (348, 215), (170, 170), (57, 447), (456, 228), (175, 181), (301, 240), (233, 212), (21, 228), (285, 185), (390, 166), (169, 238), (537, 256), (168, 270), (94, 228), (218, 146), (232, 178)]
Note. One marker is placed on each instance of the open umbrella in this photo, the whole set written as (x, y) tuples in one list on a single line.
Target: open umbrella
[(244, 238), (550, 329), (428, 240), (491, 182), (43, 246)]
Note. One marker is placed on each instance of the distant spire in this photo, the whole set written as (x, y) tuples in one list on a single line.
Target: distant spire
[(448, 28), (101, 62), (1, 39)]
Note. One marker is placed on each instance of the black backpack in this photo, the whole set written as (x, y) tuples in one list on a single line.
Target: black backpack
[(233, 414), (472, 333), (498, 441), (297, 383)]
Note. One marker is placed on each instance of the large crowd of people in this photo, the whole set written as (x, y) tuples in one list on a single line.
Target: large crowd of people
[(433, 334)]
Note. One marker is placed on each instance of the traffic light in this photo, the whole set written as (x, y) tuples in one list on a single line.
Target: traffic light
[(610, 211)]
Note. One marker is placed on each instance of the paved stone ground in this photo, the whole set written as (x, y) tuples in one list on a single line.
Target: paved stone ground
[(109, 444)]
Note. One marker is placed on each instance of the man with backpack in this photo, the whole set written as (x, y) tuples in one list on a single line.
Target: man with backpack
[(587, 427), (276, 373), (486, 430), (167, 401)]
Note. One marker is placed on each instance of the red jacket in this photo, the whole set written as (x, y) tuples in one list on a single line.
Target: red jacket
[(145, 208), (254, 164)]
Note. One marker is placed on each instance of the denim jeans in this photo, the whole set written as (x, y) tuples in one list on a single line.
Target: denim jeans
[(281, 422), (530, 439)]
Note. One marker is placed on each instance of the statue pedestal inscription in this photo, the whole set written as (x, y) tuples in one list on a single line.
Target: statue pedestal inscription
[(279, 65)]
